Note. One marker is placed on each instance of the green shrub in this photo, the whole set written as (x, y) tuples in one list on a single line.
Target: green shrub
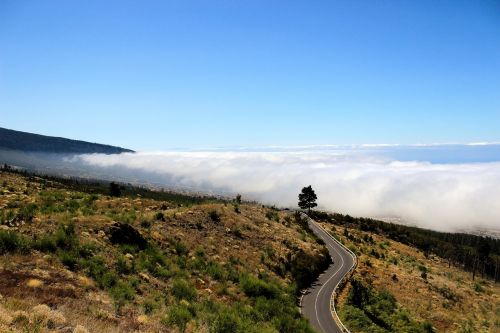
[(145, 223), (427, 327), (448, 294), (97, 269), (28, 212), (179, 316), (422, 268), (159, 216), (122, 292), (123, 266), (89, 200), (215, 270), (200, 252), (87, 250), (272, 215), (153, 260), (11, 241), (238, 199), (182, 289), (237, 232), (50, 202), (3, 214), (181, 248), (368, 263), (63, 238), (306, 267), (356, 319), (371, 310), (148, 307), (69, 259), (255, 287), (71, 205), (214, 216), (226, 321), (478, 287), (287, 323), (13, 204)]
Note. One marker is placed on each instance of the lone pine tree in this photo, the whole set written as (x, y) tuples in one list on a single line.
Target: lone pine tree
[(307, 198)]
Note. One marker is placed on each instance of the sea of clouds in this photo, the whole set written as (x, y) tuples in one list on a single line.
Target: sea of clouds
[(366, 181)]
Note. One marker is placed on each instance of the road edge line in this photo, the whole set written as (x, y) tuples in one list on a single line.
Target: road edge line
[(346, 276)]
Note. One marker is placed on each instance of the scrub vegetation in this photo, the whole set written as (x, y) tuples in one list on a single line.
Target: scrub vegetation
[(114, 258), (399, 286)]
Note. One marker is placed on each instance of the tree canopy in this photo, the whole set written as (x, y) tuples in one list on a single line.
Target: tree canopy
[(114, 190), (307, 198)]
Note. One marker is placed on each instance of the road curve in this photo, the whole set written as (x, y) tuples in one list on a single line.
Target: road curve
[(316, 303)]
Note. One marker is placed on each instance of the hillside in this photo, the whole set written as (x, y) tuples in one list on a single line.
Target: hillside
[(29, 142), (75, 261), (396, 286)]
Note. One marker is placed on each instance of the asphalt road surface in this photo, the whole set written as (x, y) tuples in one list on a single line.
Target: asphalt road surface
[(315, 304)]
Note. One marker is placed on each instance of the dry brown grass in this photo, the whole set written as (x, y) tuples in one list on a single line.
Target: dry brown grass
[(40, 280), (447, 297)]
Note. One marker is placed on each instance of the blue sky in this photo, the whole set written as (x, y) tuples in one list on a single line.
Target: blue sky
[(161, 74)]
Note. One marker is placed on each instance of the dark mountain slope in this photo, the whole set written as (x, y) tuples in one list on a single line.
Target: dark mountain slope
[(29, 142)]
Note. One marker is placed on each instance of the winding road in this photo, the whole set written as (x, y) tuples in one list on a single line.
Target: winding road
[(317, 301)]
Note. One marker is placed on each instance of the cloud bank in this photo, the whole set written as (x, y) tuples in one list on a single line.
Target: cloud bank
[(439, 196)]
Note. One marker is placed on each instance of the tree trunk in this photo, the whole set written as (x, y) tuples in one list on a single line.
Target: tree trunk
[(474, 269), (496, 271)]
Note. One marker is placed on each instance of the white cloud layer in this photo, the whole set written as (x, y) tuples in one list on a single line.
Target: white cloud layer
[(438, 196)]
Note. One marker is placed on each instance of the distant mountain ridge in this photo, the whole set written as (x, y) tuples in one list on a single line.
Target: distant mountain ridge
[(30, 142)]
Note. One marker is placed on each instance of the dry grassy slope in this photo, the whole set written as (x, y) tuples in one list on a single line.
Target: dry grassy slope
[(249, 240), (448, 298)]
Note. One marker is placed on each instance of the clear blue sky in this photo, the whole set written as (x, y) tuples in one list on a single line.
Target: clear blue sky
[(162, 74)]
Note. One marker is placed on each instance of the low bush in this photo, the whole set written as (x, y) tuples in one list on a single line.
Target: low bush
[(215, 271), (11, 241), (447, 293), (71, 205), (27, 212), (370, 310), (97, 269), (182, 289), (148, 306), (64, 238), (122, 292), (178, 315), (226, 321), (123, 265), (181, 248), (159, 216), (255, 287), (214, 216), (272, 215), (153, 260), (145, 223), (478, 288), (305, 267), (69, 259)]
